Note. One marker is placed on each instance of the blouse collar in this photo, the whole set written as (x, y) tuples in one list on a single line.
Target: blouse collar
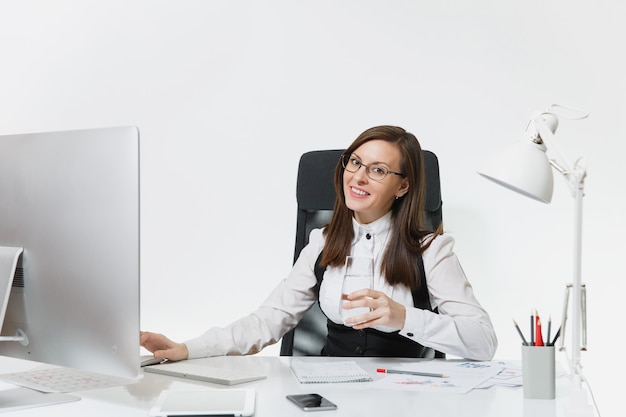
[(377, 227)]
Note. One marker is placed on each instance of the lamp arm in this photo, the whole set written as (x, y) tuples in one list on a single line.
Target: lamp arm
[(578, 406)]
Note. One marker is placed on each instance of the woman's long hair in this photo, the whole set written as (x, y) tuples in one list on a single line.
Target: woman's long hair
[(406, 241)]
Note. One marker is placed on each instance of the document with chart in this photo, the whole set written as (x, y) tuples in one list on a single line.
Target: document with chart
[(450, 376)]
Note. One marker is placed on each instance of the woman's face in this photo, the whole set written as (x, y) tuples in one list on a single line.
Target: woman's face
[(369, 199)]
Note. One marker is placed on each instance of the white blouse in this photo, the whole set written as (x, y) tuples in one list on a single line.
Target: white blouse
[(462, 328)]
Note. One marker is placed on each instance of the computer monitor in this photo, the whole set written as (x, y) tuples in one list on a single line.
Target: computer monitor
[(70, 200)]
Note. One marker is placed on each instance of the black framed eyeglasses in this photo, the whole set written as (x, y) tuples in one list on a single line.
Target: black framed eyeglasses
[(376, 172)]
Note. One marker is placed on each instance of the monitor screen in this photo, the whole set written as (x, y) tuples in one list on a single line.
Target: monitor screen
[(70, 200)]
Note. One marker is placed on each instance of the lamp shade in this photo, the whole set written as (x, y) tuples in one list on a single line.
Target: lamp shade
[(524, 168)]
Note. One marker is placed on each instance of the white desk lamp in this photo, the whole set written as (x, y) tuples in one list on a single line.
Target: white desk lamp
[(526, 169)]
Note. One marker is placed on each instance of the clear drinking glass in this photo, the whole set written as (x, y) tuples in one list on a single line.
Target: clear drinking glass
[(359, 274)]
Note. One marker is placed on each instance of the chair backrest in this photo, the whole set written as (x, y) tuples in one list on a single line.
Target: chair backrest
[(315, 193)]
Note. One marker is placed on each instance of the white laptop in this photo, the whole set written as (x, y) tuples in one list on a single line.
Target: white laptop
[(202, 372), (206, 402)]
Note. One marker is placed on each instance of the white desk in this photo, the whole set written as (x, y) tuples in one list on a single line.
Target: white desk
[(357, 399)]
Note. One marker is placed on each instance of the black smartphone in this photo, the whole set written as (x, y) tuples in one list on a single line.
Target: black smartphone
[(311, 402)]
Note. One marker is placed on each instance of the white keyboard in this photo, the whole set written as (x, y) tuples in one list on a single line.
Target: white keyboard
[(204, 373), (62, 380)]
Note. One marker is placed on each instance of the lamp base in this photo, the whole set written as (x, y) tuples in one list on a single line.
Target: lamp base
[(578, 406)]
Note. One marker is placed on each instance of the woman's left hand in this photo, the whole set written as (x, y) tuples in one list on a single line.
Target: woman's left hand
[(383, 310)]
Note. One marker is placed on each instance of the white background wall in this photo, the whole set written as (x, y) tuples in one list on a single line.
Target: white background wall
[(229, 94)]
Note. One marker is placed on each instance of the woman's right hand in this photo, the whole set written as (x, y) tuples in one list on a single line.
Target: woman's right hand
[(162, 347)]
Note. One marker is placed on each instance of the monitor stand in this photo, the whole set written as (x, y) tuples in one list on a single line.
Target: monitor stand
[(23, 398)]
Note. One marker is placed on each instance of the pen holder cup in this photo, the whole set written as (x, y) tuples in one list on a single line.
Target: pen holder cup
[(538, 372)]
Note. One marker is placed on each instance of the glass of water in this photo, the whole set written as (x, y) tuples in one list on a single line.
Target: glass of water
[(359, 274)]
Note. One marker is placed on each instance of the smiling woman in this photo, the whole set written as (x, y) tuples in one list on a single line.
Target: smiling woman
[(378, 214)]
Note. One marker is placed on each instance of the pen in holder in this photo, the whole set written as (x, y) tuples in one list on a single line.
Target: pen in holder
[(538, 371)]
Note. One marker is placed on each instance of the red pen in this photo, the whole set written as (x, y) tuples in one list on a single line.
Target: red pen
[(538, 335), (395, 371)]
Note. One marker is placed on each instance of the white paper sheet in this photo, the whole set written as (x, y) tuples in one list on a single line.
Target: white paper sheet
[(460, 376)]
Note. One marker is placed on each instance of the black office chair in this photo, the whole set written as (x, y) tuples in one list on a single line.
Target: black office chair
[(315, 194)]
